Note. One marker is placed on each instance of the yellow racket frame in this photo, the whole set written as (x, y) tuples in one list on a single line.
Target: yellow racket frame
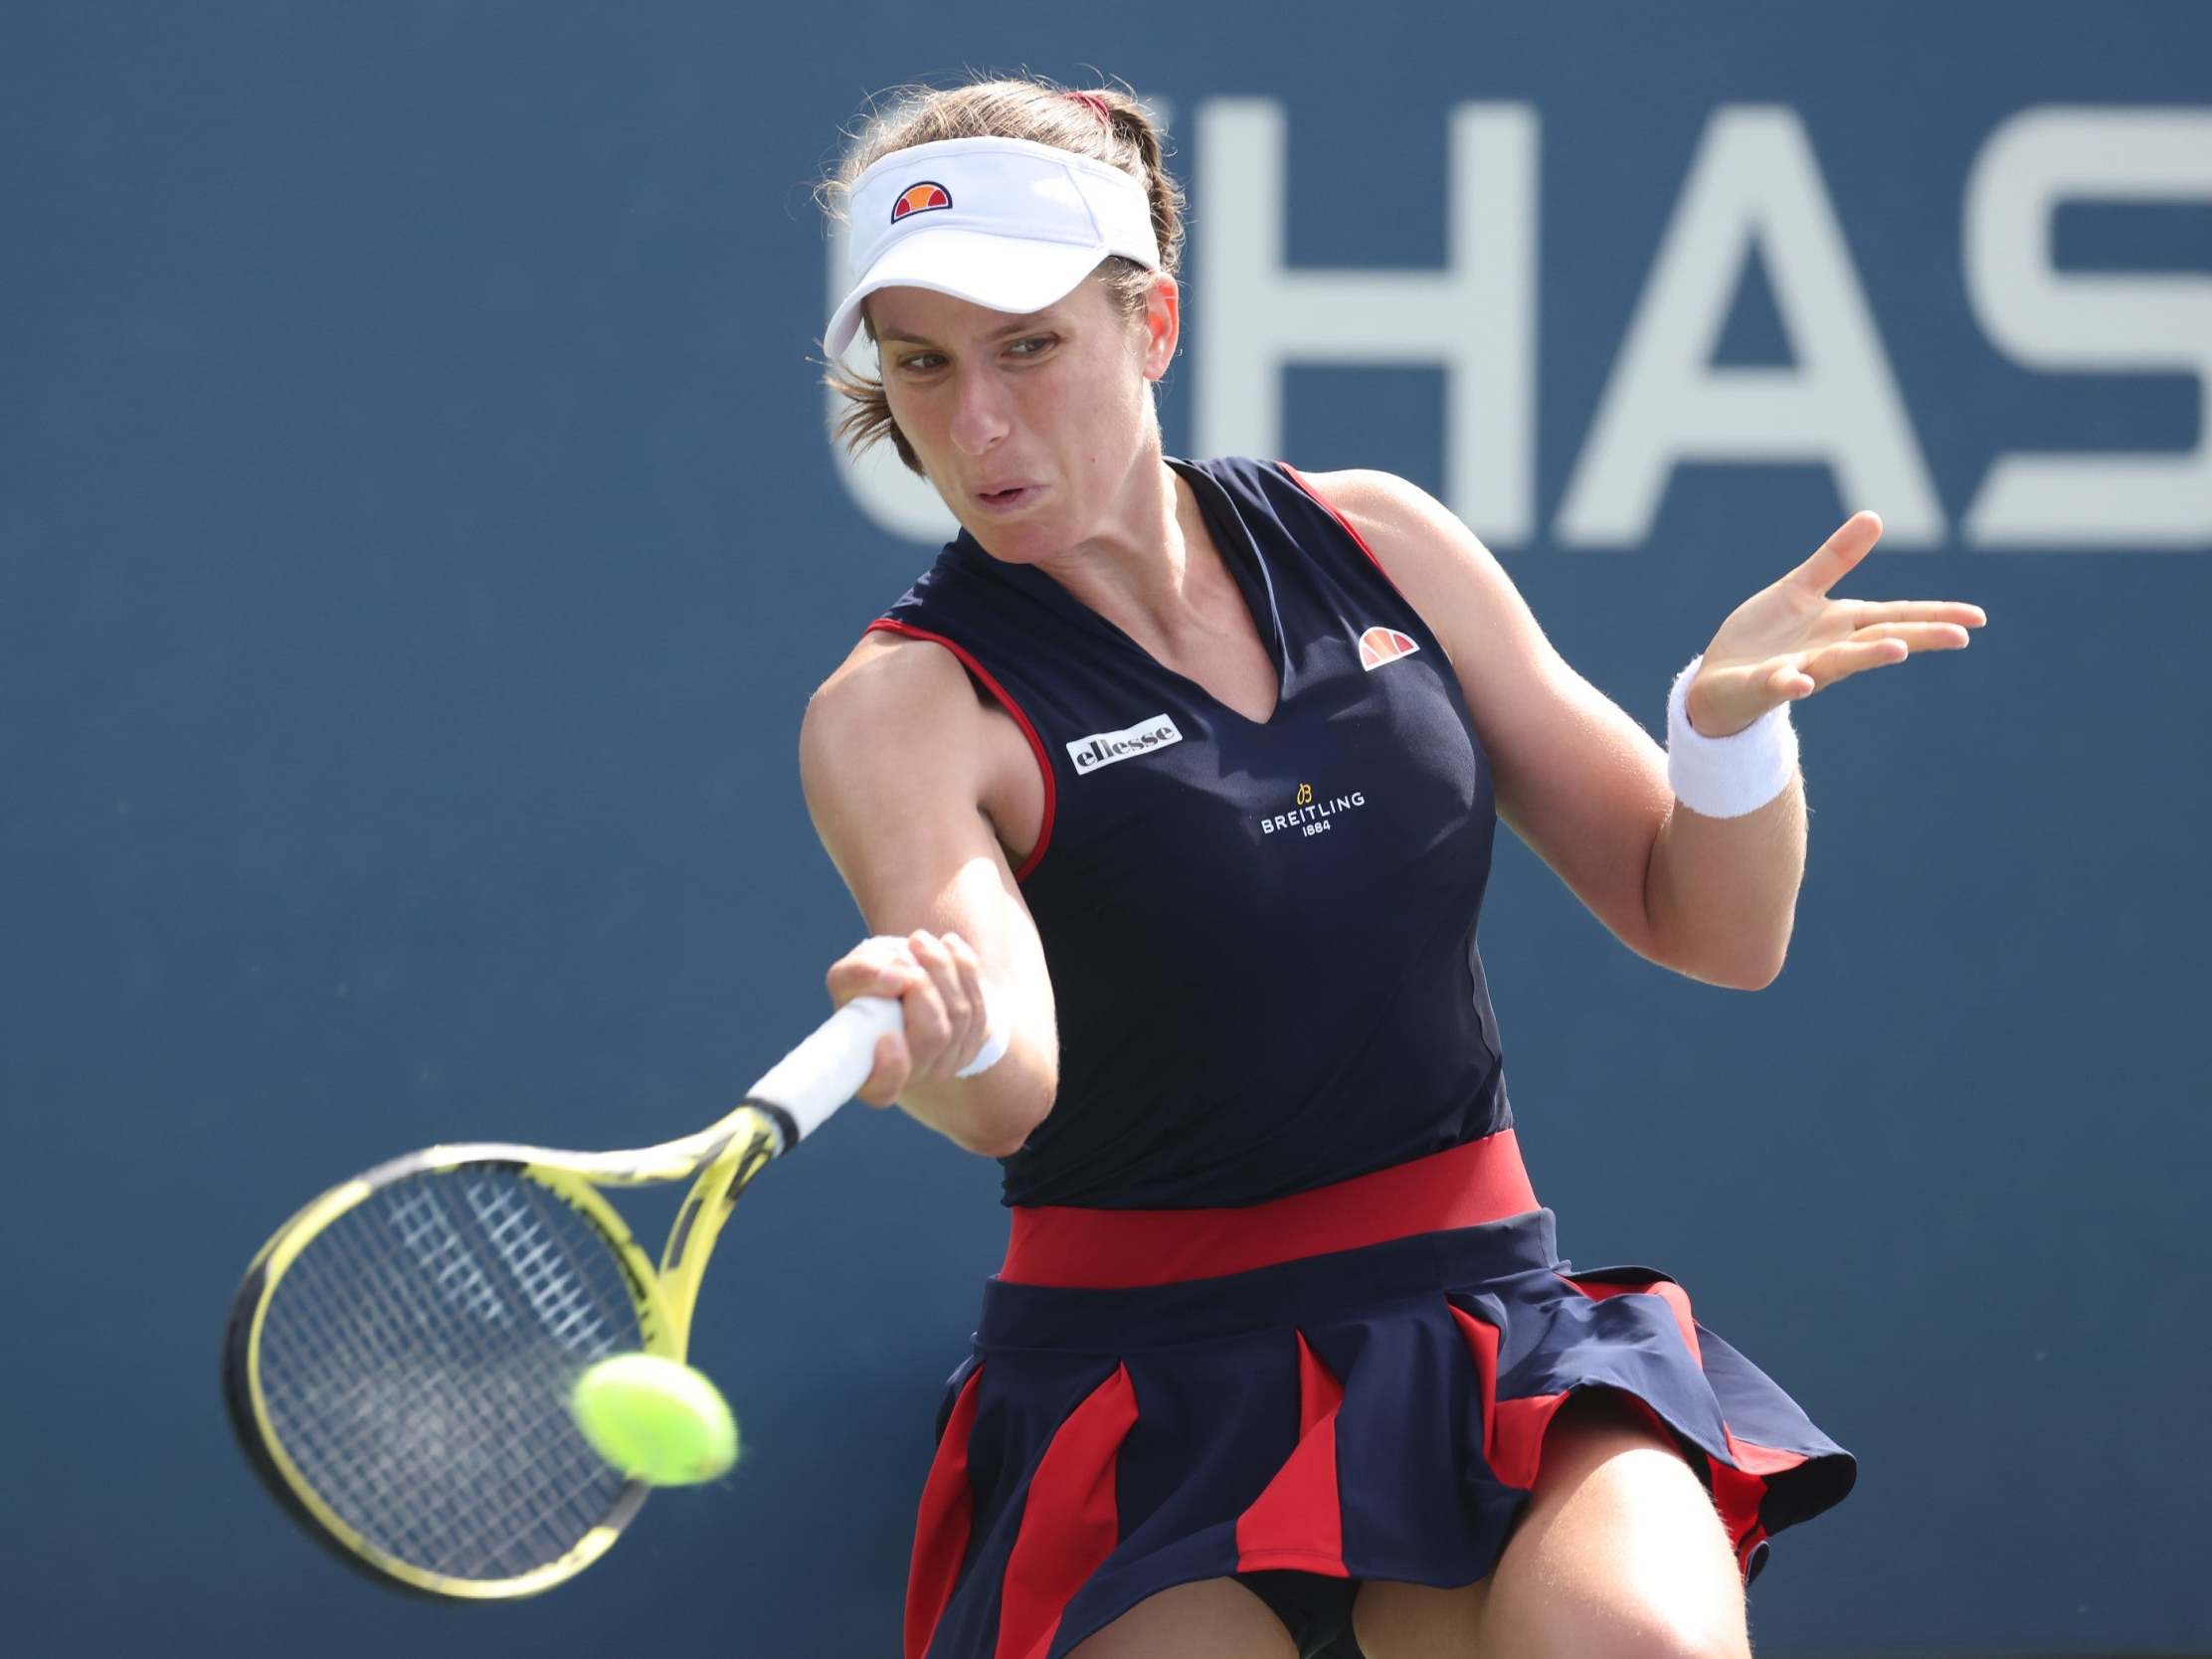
[(733, 1151)]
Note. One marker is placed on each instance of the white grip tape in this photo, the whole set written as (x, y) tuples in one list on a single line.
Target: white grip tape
[(823, 1072)]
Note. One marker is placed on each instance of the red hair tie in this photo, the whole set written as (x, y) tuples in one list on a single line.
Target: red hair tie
[(1097, 105)]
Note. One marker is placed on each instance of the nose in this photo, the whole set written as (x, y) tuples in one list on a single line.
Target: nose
[(980, 412)]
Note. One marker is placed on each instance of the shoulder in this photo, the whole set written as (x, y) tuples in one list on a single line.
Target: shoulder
[(1442, 568), (889, 686), (1369, 500), (899, 726), (1512, 680), (910, 774), (888, 741)]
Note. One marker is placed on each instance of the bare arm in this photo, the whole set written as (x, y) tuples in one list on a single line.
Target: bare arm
[(1730, 886), (891, 756), (1731, 882)]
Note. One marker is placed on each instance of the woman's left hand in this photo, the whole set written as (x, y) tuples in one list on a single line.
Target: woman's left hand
[(1791, 639)]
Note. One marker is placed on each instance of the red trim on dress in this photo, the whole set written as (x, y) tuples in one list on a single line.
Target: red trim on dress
[(1736, 1494), (1299, 479), (1070, 1522), (1759, 1459), (1044, 764), (1738, 1487), (1746, 1486), (1513, 1433), (1119, 1249), (1297, 1523), (941, 1532), (1512, 1430)]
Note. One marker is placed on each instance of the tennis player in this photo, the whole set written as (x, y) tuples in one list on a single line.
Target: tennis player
[(1168, 794)]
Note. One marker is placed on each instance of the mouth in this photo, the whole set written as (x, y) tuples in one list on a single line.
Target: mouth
[(1006, 501)]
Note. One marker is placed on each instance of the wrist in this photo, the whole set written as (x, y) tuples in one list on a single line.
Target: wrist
[(1726, 777), (997, 1035)]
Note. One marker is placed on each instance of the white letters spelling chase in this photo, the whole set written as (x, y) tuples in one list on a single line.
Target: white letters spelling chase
[(1755, 191), (1104, 748)]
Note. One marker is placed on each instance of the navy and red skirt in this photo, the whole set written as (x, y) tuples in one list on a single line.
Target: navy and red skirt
[(1351, 1382)]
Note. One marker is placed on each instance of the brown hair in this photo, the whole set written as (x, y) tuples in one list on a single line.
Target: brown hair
[(1109, 124)]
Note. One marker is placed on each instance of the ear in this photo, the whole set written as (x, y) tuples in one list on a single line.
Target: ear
[(1163, 324)]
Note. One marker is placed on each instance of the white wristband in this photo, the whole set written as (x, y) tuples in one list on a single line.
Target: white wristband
[(995, 1040), (1726, 777)]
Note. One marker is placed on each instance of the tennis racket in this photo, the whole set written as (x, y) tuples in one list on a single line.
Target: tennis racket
[(399, 1356)]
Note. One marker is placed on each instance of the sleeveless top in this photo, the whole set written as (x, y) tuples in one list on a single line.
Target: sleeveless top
[(1261, 937)]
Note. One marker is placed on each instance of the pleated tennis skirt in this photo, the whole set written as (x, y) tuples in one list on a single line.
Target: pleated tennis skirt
[(1351, 1383)]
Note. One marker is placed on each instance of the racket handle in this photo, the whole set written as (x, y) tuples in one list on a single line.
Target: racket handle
[(825, 1071)]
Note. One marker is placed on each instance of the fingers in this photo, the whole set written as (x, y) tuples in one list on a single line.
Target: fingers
[(949, 1006), (877, 967), (968, 970), (938, 982), (1955, 613), (1835, 557), (1915, 636), (889, 1080), (1879, 648)]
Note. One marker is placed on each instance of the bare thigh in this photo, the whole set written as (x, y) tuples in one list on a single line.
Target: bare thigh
[(1214, 1618), (1620, 1554)]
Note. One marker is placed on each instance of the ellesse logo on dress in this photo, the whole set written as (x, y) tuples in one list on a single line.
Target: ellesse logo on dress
[(1379, 645), (1104, 748)]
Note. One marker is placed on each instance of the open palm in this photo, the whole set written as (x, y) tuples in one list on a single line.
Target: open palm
[(1793, 638)]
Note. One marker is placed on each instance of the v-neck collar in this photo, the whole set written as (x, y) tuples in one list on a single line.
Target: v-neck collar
[(1248, 567)]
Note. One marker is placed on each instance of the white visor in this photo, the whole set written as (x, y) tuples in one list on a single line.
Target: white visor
[(1002, 222)]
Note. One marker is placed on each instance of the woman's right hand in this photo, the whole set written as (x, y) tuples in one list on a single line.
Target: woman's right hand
[(938, 982)]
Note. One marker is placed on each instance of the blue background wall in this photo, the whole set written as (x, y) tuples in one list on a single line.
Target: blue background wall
[(418, 542)]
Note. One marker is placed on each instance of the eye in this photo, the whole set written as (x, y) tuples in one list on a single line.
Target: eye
[(1038, 340), (920, 361)]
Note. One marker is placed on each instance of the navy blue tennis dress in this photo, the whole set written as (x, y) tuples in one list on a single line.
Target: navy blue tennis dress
[(1279, 1301)]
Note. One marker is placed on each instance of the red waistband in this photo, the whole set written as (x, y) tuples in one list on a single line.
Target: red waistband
[(1120, 1250)]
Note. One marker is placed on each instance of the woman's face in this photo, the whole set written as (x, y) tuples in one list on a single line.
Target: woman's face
[(1054, 407)]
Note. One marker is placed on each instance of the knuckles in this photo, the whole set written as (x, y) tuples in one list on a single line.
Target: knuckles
[(937, 999)]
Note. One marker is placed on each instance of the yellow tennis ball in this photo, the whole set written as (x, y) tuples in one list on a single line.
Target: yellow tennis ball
[(655, 1419)]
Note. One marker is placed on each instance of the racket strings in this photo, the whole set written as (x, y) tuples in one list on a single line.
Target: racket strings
[(416, 1362), (439, 1477), (420, 1475)]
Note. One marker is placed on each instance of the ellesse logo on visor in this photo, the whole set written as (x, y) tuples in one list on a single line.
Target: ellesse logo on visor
[(1104, 748), (920, 198)]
